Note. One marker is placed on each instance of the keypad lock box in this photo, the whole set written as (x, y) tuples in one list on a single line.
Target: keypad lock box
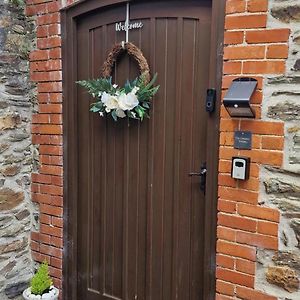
[(240, 168)]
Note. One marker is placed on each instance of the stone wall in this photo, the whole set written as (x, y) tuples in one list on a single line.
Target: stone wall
[(278, 273), (16, 152)]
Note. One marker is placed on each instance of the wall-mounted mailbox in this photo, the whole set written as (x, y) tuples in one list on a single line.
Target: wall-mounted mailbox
[(240, 168), (237, 99)]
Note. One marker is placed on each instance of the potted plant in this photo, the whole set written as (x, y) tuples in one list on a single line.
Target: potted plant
[(41, 286)]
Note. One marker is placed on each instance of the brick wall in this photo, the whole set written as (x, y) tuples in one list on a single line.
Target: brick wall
[(47, 184), (245, 224)]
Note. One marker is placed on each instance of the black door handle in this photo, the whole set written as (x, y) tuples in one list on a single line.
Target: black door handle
[(202, 175)]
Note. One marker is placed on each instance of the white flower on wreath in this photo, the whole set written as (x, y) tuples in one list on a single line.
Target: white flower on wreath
[(120, 113), (110, 102), (128, 101)]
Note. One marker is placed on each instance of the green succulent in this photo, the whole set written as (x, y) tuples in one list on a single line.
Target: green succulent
[(41, 281)]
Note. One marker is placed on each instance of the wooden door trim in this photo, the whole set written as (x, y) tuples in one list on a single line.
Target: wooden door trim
[(69, 54)]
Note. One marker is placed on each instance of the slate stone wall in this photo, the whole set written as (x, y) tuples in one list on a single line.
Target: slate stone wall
[(279, 272), (16, 152)]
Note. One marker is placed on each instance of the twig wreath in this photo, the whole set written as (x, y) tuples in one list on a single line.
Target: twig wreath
[(134, 99)]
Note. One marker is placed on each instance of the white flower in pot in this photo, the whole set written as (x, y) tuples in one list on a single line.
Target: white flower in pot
[(41, 286)]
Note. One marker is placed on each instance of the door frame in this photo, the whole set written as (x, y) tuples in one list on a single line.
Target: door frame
[(69, 68)]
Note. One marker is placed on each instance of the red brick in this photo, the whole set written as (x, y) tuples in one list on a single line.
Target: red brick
[(225, 261), (57, 180), (233, 37), (54, 6), (252, 184), (245, 266), (48, 87), (224, 166), (222, 297), (237, 250), (38, 55), (235, 277), (57, 200), (51, 170), (47, 139), (49, 42), (46, 76), (51, 210), (224, 233), (250, 294), (35, 235), (267, 36), (32, 10), (226, 206), (235, 6), (56, 262), (40, 257), (51, 251), (56, 119), (42, 31), (35, 246), (58, 222), (259, 212), (225, 288), (272, 142), (263, 127), (51, 150), (45, 219), (246, 21), (239, 195), (226, 180), (57, 283), (45, 238), (56, 97), (236, 222), (54, 29), (228, 125), (232, 67), (267, 228), (51, 65), (264, 67), (57, 242), (51, 230), (48, 19), (54, 272), (244, 52), (55, 53), (257, 5), (51, 190), (47, 129), (258, 240), (40, 178), (41, 198), (277, 51), (50, 108), (56, 160), (40, 119)]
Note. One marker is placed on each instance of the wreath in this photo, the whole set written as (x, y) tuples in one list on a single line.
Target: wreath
[(134, 99)]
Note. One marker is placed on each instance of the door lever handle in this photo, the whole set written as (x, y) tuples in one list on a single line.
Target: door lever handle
[(201, 174), (203, 171)]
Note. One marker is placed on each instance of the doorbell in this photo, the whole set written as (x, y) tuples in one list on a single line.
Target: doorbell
[(240, 168)]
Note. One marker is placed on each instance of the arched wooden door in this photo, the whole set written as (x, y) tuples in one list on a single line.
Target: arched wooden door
[(139, 222)]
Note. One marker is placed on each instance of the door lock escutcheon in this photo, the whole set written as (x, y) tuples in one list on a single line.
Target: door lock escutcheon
[(202, 175)]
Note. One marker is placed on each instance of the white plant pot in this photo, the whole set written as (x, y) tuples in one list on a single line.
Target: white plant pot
[(52, 295)]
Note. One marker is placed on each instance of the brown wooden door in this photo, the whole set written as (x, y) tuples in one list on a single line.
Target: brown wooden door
[(140, 217)]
